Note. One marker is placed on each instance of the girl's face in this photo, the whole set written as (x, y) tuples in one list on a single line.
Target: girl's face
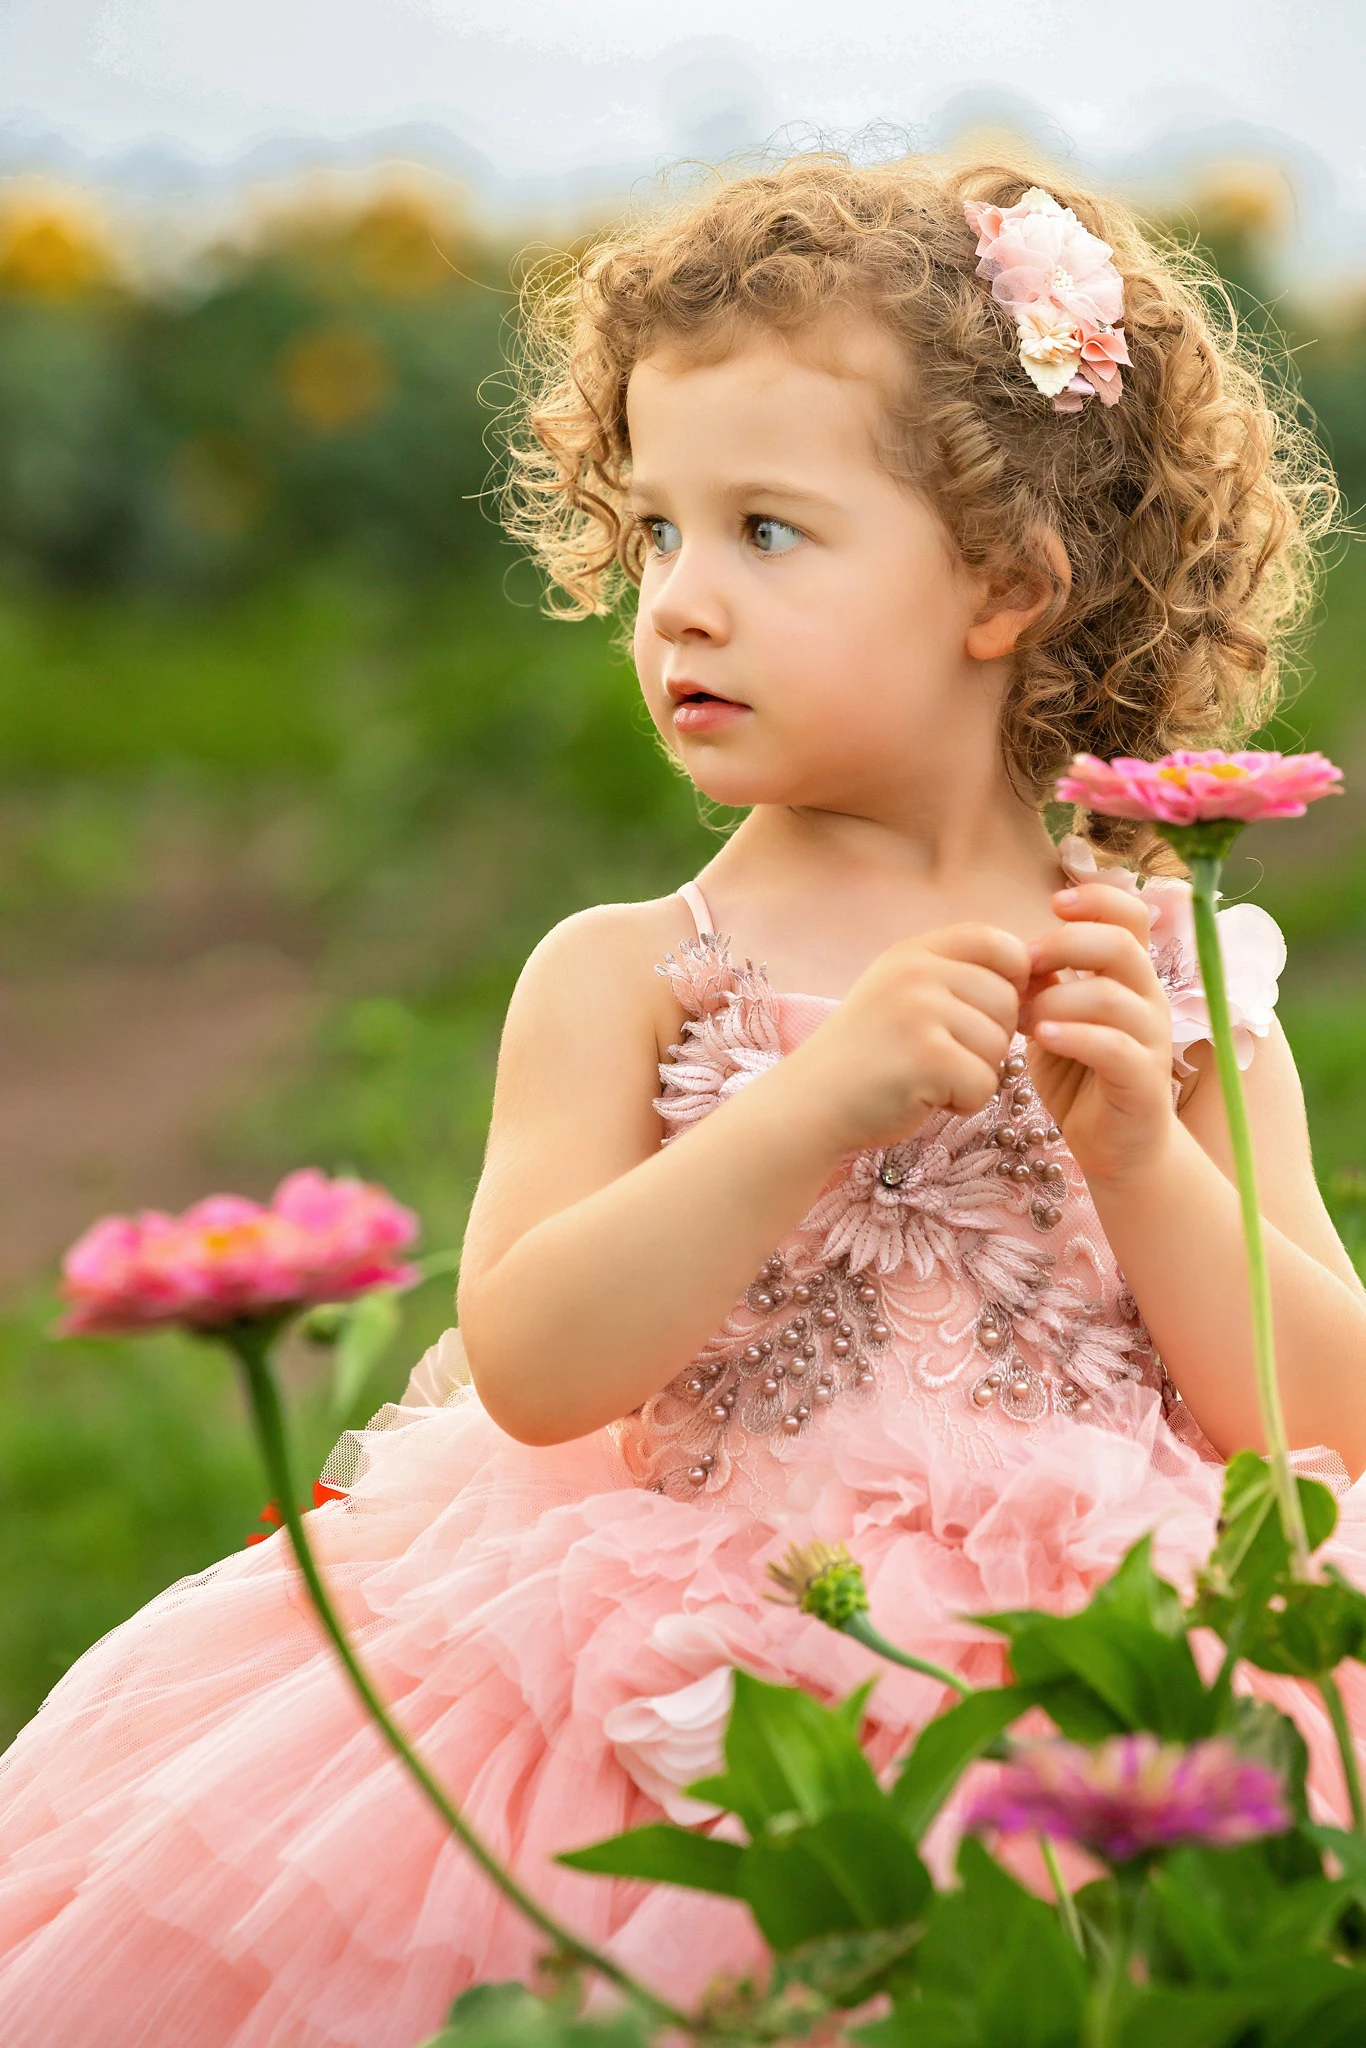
[(803, 617)]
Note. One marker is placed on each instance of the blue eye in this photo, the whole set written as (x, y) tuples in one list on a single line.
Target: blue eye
[(652, 528), (774, 536)]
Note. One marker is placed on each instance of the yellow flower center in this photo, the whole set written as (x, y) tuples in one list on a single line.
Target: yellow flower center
[(1226, 771)]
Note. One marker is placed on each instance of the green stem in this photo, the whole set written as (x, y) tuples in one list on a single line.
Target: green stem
[(859, 1626), (1205, 890), (1233, 1649), (1337, 1714), (1105, 2004), (1067, 1905), (251, 1344)]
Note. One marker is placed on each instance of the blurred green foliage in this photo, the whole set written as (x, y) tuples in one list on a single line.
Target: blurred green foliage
[(257, 621)]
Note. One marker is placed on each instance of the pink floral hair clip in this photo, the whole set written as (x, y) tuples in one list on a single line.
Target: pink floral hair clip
[(1064, 291)]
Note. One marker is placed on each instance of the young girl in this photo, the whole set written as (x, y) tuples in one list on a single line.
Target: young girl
[(928, 474)]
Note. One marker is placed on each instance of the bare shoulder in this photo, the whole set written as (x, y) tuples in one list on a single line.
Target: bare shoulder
[(578, 1070), (1287, 1186), (600, 962)]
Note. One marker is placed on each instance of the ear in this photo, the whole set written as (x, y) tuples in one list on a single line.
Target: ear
[(1014, 601)]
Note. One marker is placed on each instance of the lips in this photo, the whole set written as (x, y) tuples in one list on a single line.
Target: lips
[(683, 692), (702, 711)]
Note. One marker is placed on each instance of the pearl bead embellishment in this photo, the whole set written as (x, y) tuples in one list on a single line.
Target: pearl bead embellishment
[(939, 1214)]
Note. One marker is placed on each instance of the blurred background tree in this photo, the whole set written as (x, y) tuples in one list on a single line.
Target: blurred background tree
[(293, 775)]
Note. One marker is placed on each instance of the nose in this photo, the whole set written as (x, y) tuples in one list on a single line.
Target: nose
[(687, 596)]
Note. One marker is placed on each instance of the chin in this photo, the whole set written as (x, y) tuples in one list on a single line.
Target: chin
[(741, 787)]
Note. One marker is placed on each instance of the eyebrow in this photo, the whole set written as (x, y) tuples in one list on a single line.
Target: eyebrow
[(752, 487)]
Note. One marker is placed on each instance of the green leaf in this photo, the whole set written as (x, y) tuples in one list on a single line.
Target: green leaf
[(511, 2016), (1350, 1850), (1264, 1733), (369, 1329), (920, 2022), (1136, 1672), (1220, 1913), (1308, 1630), (847, 1968), (1307, 2003), (1251, 1554), (490, 2001), (850, 1869), (665, 1855), (1165, 2016), (1127, 1650), (944, 1749), (787, 1752), (1135, 1593), (994, 1947)]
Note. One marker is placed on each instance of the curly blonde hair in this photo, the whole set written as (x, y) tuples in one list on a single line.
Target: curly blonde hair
[(1191, 511)]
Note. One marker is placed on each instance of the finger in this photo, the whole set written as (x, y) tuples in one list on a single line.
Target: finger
[(1099, 949), (1113, 1056), (985, 945), (986, 991), (1100, 1001), (1102, 903), (980, 1034), (972, 1083)]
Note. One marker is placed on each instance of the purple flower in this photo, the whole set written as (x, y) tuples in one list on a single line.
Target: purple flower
[(1133, 1794)]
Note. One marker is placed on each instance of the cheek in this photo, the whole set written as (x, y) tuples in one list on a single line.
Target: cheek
[(646, 652)]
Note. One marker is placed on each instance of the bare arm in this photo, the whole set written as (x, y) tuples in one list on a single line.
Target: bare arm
[(596, 1262), (1176, 1230)]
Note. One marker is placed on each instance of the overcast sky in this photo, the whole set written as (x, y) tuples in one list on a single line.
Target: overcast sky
[(551, 91)]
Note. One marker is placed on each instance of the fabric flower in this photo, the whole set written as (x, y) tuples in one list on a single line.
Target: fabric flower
[(730, 1038), (1050, 346), (1132, 1795), (1060, 283), (670, 1740), (1253, 950), (228, 1258), (1250, 941)]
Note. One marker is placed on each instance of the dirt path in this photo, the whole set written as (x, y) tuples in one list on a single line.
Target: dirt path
[(112, 1076)]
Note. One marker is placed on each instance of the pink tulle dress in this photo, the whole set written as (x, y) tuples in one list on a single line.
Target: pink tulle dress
[(204, 1845)]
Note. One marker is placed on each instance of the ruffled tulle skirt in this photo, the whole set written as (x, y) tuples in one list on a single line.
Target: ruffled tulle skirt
[(203, 1843)]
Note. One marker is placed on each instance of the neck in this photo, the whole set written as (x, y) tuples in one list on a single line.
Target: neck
[(920, 834)]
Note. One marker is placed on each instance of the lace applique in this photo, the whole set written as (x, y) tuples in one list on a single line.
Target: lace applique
[(906, 1204), (731, 1034), (898, 1232), (1048, 1348), (804, 1335)]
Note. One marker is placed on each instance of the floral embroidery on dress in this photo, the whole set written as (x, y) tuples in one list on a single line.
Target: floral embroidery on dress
[(803, 1336), (731, 1032), (916, 1249)]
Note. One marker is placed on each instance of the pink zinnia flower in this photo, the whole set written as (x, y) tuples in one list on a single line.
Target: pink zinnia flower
[(1133, 1794), (1187, 788), (228, 1258)]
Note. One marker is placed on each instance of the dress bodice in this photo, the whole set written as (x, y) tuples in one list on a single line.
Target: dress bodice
[(963, 1271)]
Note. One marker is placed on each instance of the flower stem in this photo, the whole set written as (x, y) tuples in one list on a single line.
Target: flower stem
[(1205, 889), (1337, 1714), (859, 1626), (1067, 1905), (251, 1345)]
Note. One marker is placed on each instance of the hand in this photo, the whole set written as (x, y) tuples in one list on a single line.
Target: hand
[(925, 1027), (1100, 1052)]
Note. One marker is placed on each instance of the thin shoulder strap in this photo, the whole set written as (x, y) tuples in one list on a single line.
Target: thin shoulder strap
[(697, 904)]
